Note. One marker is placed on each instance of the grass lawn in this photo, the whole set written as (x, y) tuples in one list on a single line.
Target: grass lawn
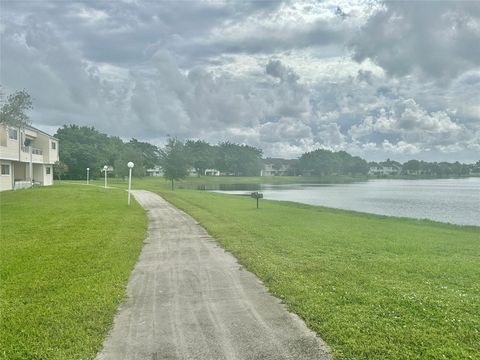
[(372, 287), (66, 255), (194, 182)]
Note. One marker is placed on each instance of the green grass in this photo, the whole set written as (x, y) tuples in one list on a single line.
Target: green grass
[(66, 255), (372, 287), (194, 182)]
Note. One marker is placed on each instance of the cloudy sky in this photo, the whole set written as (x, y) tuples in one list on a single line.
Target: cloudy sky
[(395, 79)]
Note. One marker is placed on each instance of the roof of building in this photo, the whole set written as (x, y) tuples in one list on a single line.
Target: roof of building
[(41, 131)]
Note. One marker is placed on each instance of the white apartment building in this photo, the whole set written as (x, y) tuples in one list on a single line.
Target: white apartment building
[(155, 171), (27, 156), (384, 170)]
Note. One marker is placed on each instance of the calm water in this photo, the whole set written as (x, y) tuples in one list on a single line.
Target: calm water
[(454, 201)]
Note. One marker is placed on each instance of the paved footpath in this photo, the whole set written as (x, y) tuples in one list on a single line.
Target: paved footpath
[(190, 299)]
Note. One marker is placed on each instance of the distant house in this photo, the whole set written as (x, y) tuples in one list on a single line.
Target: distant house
[(156, 171), (413, 172), (277, 167), (384, 170), (27, 156), (212, 172)]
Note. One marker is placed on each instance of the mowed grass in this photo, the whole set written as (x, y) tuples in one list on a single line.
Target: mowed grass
[(66, 255), (372, 287), (194, 182)]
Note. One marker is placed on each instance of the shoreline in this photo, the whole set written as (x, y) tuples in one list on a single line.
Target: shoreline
[(402, 218)]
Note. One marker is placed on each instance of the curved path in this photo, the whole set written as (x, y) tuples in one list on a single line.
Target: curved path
[(189, 299)]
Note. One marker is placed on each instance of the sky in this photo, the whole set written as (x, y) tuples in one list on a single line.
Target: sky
[(398, 80)]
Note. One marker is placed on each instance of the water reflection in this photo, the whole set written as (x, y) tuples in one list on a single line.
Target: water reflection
[(446, 200)]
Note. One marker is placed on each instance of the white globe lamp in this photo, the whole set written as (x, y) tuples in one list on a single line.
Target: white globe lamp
[(130, 167)]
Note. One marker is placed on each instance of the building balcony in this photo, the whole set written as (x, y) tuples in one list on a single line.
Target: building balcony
[(37, 155)]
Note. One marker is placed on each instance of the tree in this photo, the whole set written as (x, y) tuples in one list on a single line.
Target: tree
[(129, 153), (412, 167), (149, 152), (174, 161), (83, 147), (325, 162), (202, 155), (13, 111), (239, 160), (60, 169), (475, 168)]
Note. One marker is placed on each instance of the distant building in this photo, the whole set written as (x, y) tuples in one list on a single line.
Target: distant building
[(27, 156), (156, 171), (212, 172), (384, 170), (277, 167), (413, 172)]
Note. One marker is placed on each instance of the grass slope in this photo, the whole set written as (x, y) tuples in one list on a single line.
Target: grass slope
[(66, 254), (373, 287)]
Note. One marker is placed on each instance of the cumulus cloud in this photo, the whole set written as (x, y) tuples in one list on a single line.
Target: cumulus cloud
[(407, 128), (436, 39), (276, 69), (408, 116), (400, 147), (277, 75)]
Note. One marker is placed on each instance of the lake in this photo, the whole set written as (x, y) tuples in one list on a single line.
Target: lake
[(454, 201)]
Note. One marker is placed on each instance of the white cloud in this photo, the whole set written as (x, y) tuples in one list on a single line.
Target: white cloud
[(405, 117), (437, 40), (285, 128), (400, 147), (90, 15), (270, 74)]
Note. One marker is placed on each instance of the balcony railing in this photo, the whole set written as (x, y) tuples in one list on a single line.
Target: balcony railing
[(35, 151)]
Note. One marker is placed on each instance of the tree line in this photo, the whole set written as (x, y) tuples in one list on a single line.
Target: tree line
[(83, 147), (432, 169)]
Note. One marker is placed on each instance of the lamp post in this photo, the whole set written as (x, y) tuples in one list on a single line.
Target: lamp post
[(105, 168), (130, 167), (88, 173)]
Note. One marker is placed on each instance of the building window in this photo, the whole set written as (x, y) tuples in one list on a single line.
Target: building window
[(54, 145), (5, 169), (13, 134), (48, 169)]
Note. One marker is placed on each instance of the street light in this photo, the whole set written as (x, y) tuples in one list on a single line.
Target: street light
[(105, 168), (130, 167), (88, 173)]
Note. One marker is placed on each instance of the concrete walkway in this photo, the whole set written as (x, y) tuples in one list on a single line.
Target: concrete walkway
[(189, 299)]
